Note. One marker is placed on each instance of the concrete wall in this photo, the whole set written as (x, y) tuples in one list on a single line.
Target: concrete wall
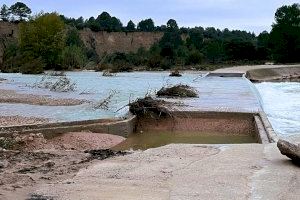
[(216, 122), (211, 122), (108, 126)]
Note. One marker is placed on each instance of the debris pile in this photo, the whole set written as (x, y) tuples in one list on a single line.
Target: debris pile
[(148, 105), (177, 91), (175, 73)]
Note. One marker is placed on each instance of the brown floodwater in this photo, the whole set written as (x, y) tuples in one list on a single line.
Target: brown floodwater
[(148, 140)]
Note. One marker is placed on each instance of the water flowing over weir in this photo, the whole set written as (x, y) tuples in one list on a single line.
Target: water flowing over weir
[(228, 105), (281, 102), (228, 110)]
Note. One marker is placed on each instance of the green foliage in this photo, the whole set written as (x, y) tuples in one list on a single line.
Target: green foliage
[(77, 23), (285, 34), (73, 57), (119, 62), (43, 37), (11, 57), (214, 50), (194, 57), (195, 38), (31, 65), (237, 49), (21, 10), (73, 38), (105, 22), (171, 39), (4, 13), (172, 24), (130, 26), (146, 25), (263, 46)]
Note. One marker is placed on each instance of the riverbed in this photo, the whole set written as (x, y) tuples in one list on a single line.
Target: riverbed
[(280, 101), (91, 87)]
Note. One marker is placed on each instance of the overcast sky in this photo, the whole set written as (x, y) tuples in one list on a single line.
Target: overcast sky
[(250, 15)]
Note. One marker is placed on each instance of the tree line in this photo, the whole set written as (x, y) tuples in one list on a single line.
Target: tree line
[(52, 41)]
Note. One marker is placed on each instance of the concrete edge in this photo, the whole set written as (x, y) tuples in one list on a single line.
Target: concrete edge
[(115, 127), (272, 136)]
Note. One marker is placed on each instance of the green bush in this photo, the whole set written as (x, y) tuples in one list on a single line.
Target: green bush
[(32, 66), (73, 57)]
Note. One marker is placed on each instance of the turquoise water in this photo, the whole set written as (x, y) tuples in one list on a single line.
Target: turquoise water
[(281, 103), (91, 86)]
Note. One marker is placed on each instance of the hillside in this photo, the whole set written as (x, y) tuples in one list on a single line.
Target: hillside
[(102, 42)]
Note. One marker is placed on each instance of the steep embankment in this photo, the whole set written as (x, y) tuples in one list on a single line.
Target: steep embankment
[(119, 41), (100, 41)]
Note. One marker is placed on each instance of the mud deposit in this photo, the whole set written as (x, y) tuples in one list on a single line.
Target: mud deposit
[(146, 140), (21, 171), (36, 160)]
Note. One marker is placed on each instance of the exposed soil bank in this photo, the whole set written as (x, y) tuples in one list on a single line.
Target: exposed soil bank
[(281, 74), (10, 96)]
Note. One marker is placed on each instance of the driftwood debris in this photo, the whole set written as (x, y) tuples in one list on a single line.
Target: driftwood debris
[(175, 73), (148, 105), (177, 91)]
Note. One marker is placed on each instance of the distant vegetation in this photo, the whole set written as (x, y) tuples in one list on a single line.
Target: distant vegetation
[(52, 41)]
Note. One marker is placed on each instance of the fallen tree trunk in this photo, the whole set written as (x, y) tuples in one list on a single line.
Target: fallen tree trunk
[(289, 149)]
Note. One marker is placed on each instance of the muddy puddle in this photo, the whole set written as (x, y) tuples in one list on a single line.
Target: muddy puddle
[(146, 140)]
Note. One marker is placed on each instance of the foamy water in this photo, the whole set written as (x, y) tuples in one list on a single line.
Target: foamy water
[(281, 102)]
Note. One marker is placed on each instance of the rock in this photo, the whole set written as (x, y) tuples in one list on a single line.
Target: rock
[(175, 73), (49, 164), (289, 149), (15, 135), (18, 139), (30, 139), (39, 135), (3, 164), (32, 135)]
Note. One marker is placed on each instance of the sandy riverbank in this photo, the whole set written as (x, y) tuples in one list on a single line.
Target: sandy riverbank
[(10, 96)]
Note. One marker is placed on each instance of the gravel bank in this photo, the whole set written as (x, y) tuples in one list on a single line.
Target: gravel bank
[(10, 96), (75, 141)]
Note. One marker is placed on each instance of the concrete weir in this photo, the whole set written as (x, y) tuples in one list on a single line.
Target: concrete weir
[(228, 104)]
